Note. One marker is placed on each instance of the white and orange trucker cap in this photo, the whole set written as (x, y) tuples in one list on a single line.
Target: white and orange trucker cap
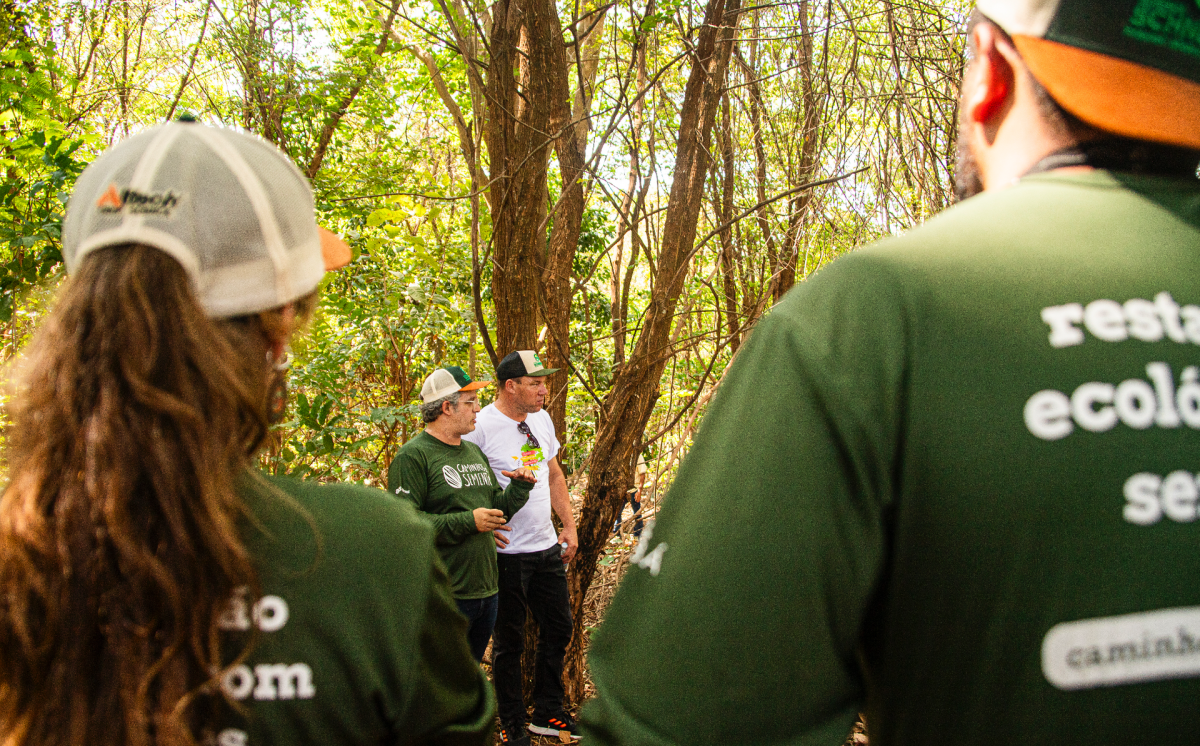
[(446, 381), (229, 206), (1130, 67)]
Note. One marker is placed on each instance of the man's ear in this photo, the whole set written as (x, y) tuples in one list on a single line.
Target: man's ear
[(992, 78)]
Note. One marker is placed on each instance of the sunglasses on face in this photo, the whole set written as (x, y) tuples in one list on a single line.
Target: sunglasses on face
[(523, 428)]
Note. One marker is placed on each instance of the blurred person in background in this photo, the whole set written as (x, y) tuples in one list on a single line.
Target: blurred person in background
[(635, 499)]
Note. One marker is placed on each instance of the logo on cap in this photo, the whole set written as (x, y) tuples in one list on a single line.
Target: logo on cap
[(1165, 23), (531, 361), (110, 201), (138, 203)]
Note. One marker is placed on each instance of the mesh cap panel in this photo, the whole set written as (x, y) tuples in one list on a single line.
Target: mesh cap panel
[(230, 207)]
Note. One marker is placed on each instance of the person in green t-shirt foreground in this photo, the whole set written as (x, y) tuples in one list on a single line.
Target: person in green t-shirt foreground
[(157, 588), (449, 481), (951, 481)]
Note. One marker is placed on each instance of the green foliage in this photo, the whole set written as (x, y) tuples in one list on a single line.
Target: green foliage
[(398, 311), (39, 159), (76, 75)]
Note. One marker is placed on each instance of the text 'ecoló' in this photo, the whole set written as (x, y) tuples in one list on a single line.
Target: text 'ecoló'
[(1098, 407)]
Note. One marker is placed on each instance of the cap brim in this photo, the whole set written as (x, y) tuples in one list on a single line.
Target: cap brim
[(1116, 95), (475, 385), (542, 372), (334, 250)]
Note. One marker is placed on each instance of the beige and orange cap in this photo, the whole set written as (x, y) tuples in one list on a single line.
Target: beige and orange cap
[(1130, 67), (446, 381), (229, 206)]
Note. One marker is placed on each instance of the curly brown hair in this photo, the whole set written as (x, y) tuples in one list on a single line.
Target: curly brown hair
[(133, 418)]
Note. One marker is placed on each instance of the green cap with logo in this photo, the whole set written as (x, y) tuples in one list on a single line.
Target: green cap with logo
[(1129, 67), (522, 363)]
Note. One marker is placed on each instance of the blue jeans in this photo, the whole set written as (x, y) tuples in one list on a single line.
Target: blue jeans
[(636, 504), (481, 620)]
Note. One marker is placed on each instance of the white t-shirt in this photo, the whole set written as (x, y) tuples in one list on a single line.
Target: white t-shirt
[(506, 449)]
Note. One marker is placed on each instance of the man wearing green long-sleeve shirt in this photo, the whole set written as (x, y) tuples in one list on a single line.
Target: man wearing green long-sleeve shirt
[(449, 481)]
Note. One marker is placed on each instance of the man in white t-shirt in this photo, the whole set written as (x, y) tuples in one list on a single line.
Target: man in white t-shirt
[(516, 432)]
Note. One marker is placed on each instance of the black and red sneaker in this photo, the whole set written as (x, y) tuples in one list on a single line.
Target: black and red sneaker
[(513, 734), (556, 726)]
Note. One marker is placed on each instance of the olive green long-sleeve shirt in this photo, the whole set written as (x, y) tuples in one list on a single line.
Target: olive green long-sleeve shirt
[(446, 483), (355, 638)]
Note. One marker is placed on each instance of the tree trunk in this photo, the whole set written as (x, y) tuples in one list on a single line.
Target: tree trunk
[(810, 148), (569, 147), (530, 277), (518, 114), (726, 217), (628, 406), (760, 157), (629, 212)]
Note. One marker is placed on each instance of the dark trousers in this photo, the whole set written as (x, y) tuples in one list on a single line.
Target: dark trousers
[(481, 618), (536, 581), (636, 504)]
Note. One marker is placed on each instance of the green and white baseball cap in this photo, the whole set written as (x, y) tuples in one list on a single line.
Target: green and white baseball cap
[(1130, 67), (446, 381), (228, 206)]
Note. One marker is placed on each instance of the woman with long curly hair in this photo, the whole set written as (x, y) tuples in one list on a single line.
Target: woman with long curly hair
[(154, 588)]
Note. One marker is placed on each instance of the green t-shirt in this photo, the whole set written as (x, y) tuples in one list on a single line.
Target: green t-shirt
[(950, 480), (446, 483), (358, 639)]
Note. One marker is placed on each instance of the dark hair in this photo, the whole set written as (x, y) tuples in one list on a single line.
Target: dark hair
[(134, 419)]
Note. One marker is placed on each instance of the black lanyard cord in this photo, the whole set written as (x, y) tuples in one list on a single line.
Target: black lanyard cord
[(1129, 156)]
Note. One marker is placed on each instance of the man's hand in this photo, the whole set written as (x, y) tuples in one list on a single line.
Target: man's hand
[(500, 539), (572, 539), (488, 519), (523, 474)]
